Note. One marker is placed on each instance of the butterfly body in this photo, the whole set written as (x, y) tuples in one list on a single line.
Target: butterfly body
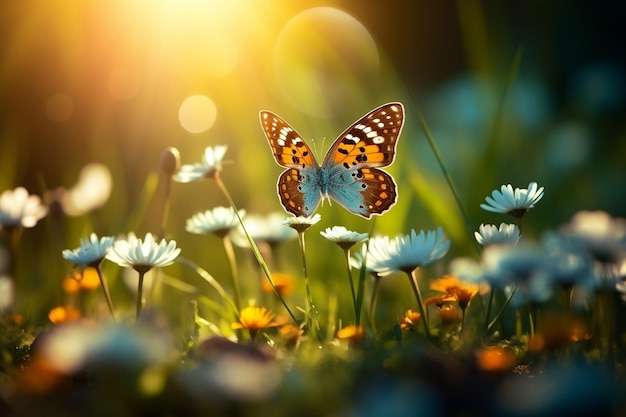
[(348, 174)]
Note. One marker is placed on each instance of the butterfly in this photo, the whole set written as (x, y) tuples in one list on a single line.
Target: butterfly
[(349, 173)]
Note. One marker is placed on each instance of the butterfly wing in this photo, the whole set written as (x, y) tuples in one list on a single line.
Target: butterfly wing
[(288, 147), (370, 141), (299, 195), (352, 163), (298, 186)]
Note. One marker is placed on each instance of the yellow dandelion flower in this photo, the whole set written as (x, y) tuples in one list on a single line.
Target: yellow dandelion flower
[(255, 319)]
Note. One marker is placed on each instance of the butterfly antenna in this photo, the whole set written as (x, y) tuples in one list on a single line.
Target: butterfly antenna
[(318, 154)]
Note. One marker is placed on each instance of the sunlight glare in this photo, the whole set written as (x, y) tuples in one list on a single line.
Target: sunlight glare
[(200, 36), (123, 83)]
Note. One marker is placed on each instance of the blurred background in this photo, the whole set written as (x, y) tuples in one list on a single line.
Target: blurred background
[(513, 92)]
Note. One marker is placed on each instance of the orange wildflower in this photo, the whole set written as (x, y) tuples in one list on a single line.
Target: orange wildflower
[(63, 314), (410, 320), (438, 300), (85, 281), (494, 358), (352, 333), (284, 284), (558, 331), (462, 292), (448, 314), (290, 334)]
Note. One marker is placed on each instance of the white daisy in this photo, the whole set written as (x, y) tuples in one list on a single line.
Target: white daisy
[(20, 209), (598, 234), (490, 234), (373, 263), (91, 191), (91, 251), (219, 220), (406, 253), (343, 237), (302, 223), (210, 165), (143, 255), (270, 229), (514, 202)]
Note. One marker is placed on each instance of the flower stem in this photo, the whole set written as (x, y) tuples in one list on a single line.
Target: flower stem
[(15, 237), (373, 303), (255, 249), (420, 303), (105, 289), (212, 282), (360, 294), (489, 305), (532, 319), (311, 311), (232, 263), (499, 314), (166, 206), (462, 320), (448, 177), (140, 293), (357, 318)]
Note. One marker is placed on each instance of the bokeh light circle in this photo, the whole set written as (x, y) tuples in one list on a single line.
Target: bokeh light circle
[(324, 60), (59, 107), (197, 114)]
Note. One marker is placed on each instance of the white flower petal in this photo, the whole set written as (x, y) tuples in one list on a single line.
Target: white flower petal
[(147, 252), (507, 199)]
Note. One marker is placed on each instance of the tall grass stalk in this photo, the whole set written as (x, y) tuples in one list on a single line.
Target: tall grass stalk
[(253, 246)]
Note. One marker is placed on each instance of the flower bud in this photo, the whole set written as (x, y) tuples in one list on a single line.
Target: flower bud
[(170, 161)]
